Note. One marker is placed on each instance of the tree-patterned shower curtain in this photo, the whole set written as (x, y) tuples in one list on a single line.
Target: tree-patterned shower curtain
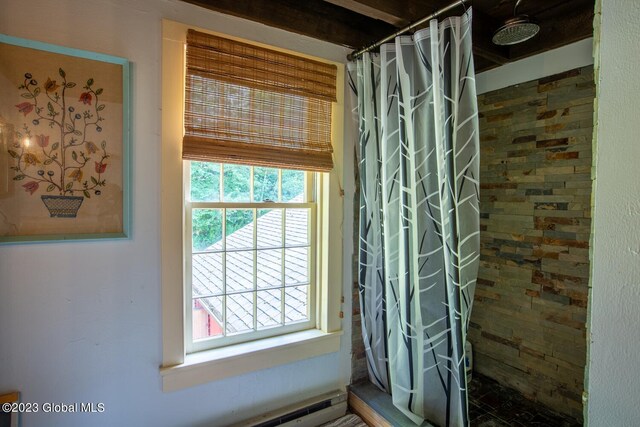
[(416, 111)]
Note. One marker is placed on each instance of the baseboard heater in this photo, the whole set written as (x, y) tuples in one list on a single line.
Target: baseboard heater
[(309, 413)]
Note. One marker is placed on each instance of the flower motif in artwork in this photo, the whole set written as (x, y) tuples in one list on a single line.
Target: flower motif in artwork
[(101, 167), (25, 107), (85, 98), (42, 140), (30, 187), (51, 85), (61, 124), (31, 159), (91, 147), (76, 174)]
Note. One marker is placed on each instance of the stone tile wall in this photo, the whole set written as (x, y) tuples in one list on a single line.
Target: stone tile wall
[(358, 359), (529, 314)]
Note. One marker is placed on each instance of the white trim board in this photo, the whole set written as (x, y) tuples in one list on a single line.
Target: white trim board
[(569, 57)]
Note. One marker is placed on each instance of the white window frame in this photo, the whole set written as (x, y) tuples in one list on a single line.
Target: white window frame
[(179, 369), (192, 346)]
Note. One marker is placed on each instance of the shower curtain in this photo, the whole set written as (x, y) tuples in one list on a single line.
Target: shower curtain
[(416, 110)]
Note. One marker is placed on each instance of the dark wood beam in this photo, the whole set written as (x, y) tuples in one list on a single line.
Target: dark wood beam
[(483, 27), (313, 18), (357, 23), (502, 10), (481, 64), (570, 22), (403, 12), (372, 9), (399, 13)]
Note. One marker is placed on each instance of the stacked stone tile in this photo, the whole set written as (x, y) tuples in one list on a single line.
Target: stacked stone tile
[(359, 370), (528, 319)]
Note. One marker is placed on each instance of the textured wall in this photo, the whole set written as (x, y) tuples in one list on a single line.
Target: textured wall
[(359, 370), (528, 321), (614, 314)]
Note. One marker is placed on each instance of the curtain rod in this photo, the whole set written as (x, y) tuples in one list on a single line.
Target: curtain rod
[(356, 53)]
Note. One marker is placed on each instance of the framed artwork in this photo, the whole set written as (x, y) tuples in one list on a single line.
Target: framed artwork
[(64, 143)]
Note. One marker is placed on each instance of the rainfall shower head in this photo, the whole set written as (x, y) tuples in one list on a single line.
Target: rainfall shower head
[(515, 30)]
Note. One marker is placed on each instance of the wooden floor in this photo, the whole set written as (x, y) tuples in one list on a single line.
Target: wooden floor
[(376, 407), (349, 420), (364, 411)]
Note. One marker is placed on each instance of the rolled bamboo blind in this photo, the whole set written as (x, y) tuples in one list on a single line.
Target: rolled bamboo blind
[(251, 105)]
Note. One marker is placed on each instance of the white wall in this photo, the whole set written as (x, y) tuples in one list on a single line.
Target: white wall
[(569, 57), (80, 322), (613, 380)]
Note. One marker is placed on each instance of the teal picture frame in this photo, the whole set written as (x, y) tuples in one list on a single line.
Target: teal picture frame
[(75, 181)]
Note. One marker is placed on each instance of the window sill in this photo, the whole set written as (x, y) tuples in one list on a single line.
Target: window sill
[(211, 365)]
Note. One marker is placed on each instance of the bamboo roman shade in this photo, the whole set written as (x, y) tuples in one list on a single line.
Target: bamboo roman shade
[(251, 105)]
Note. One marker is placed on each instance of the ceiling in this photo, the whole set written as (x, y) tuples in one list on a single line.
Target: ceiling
[(357, 23)]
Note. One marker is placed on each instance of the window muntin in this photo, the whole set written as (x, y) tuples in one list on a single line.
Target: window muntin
[(249, 253)]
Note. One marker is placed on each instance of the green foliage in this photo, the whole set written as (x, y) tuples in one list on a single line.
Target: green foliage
[(292, 184), (265, 184), (238, 218), (205, 186), (205, 182), (236, 183), (207, 228)]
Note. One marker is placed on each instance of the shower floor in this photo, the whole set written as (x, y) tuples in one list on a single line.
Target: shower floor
[(493, 405), (490, 405)]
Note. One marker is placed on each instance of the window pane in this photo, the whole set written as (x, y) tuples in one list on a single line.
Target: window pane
[(296, 266), (207, 274), (206, 229), (269, 308), (292, 186), (240, 313), (297, 225), (269, 228), (205, 182), (296, 302), (243, 257), (265, 184), (239, 271), (269, 268), (239, 231), (206, 317), (236, 183)]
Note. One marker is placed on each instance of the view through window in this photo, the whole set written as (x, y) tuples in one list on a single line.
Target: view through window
[(250, 232)]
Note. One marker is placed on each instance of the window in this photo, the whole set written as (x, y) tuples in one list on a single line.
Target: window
[(249, 252), (273, 190), (250, 111)]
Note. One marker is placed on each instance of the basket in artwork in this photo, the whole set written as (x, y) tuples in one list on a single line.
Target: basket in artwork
[(62, 206)]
